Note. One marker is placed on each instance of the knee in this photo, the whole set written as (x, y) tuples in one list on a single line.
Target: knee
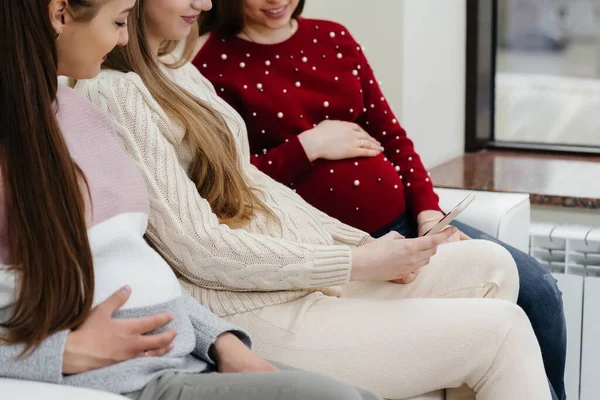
[(549, 293), (511, 329), (516, 324), (509, 314), (539, 287), (495, 266)]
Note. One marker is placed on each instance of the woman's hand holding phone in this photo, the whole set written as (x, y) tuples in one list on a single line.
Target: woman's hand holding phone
[(394, 258), (433, 221), (426, 227)]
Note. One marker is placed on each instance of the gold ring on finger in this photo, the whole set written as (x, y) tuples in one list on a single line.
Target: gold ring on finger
[(362, 144)]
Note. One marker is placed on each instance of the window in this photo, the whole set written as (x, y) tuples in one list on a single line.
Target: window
[(533, 75)]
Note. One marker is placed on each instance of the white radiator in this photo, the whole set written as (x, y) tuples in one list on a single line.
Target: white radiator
[(572, 253)]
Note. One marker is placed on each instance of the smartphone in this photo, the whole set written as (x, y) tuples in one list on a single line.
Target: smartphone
[(455, 212)]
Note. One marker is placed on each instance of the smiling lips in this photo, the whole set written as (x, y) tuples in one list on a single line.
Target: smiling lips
[(190, 20), (276, 12)]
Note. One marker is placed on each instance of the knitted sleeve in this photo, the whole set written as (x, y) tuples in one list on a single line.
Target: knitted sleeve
[(284, 163), (182, 225), (43, 365), (378, 119), (207, 327)]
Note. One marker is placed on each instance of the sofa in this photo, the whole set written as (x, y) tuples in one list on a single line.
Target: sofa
[(505, 216)]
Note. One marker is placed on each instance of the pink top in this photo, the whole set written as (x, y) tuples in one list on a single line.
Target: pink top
[(116, 186)]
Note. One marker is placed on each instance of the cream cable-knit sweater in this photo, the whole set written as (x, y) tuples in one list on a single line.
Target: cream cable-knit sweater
[(270, 261)]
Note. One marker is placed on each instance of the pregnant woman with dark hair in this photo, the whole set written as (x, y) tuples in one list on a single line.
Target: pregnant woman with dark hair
[(319, 123)]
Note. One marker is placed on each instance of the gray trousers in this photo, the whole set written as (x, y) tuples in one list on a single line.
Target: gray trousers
[(286, 384)]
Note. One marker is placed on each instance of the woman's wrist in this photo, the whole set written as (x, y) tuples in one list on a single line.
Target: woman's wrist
[(357, 272), (429, 216), (225, 344), (75, 361), (366, 240), (427, 221), (311, 151)]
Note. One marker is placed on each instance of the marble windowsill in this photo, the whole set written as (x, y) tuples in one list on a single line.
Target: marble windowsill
[(551, 180)]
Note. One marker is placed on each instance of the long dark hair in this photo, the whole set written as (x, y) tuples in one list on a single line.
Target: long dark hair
[(227, 17), (42, 186)]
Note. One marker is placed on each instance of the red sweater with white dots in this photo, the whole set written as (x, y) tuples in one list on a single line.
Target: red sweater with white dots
[(284, 89)]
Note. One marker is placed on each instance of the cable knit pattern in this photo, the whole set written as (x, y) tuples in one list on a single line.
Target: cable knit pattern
[(270, 261)]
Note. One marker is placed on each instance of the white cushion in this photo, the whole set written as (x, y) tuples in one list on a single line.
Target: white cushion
[(11, 389)]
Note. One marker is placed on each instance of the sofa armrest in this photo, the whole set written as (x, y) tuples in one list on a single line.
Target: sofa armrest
[(505, 216), (12, 389)]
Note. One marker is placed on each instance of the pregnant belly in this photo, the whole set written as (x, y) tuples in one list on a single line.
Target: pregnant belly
[(366, 193), (122, 257)]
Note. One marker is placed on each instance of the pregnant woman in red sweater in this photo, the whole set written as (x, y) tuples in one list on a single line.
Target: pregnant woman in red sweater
[(319, 123)]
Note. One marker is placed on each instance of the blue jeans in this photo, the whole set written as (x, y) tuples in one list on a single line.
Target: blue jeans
[(539, 297)]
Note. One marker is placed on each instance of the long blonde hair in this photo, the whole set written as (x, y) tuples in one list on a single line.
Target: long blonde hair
[(215, 170)]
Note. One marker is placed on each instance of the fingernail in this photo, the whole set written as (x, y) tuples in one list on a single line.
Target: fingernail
[(171, 346), (126, 289)]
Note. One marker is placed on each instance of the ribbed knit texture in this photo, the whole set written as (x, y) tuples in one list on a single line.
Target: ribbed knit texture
[(270, 261), (320, 73)]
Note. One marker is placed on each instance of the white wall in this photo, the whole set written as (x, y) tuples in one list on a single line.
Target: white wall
[(376, 25), (417, 48), (434, 56)]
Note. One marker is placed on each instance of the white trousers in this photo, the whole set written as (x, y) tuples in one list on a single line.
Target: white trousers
[(455, 327)]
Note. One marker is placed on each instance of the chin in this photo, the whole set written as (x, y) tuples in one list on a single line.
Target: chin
[(180, 34), (279, 24)]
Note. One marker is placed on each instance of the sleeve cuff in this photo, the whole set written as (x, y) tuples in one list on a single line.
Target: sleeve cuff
[(297, 156), (424, 204), (207, 327), (204, 352), (332, 266), (51, 357), (45, 364)]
